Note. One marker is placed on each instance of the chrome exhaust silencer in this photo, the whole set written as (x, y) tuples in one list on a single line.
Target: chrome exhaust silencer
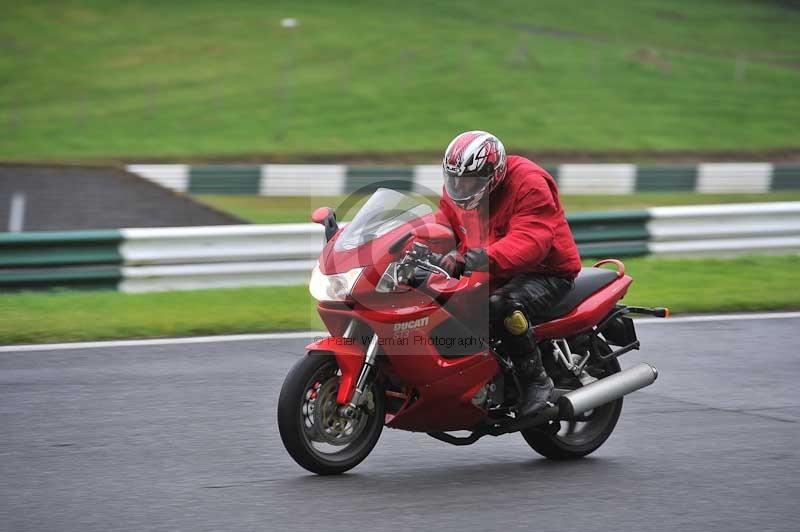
[(606, 390)]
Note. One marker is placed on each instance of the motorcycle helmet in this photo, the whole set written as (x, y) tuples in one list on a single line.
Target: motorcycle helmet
[(474, 164)]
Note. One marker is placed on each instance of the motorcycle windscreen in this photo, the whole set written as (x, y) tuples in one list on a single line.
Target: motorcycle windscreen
[(385, 211)]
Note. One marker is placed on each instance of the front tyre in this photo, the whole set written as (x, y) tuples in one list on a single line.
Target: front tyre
[(576, 439), (313, 432)]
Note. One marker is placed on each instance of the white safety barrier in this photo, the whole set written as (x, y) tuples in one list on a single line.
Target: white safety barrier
[(221, 275), (187, 258), (184, 258), (724, 229), (221, 243)]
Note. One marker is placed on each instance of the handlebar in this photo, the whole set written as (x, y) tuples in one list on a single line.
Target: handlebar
[(418, 263)]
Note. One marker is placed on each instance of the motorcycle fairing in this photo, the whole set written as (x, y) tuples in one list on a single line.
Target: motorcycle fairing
[(349, 356), (446, 403), (444, 386)]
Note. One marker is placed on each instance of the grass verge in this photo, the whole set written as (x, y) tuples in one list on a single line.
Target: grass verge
[(75, 316), (272, 209), (700, 285), (155, 79)]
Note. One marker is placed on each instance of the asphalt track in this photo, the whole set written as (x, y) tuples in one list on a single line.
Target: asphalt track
[(60, 198), (184, 437)]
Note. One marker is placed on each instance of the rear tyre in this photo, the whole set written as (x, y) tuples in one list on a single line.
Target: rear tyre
[(576, 439), (313, 432)]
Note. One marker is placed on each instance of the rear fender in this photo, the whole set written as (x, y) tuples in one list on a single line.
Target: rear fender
[(349, 356)]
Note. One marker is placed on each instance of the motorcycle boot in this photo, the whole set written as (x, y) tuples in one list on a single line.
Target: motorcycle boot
[(537, 386)]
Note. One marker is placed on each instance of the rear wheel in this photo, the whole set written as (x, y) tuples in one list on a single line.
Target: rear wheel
[(313, 432), (575, 439)]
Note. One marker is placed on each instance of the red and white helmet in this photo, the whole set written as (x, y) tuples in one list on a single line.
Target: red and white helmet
[(474, 164)]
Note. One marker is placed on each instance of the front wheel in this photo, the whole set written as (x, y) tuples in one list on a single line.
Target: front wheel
[(575, 439), (313, 432)]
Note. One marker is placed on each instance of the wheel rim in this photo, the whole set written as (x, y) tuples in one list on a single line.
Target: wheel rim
[(576, 433), (592, 423), (326, 433)]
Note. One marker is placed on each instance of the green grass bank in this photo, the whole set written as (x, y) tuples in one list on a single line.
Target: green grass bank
[(144, 79)]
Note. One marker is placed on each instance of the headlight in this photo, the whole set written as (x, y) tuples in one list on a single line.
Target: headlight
[(334, 287)]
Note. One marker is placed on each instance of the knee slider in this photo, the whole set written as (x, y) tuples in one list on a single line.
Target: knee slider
[(509, 311), (516, 323)]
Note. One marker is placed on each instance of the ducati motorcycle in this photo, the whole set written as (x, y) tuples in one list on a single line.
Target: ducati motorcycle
[(409, 348)]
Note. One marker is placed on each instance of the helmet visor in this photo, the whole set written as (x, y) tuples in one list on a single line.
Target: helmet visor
[(462, 188)]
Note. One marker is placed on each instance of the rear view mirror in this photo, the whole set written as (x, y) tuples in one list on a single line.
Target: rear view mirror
[(326, 217)]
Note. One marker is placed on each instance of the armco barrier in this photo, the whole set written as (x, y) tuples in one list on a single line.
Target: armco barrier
[(603, 234), (76, 259), (336, 179), (223, 243), (182, 258), (67, 248), (185, 258), (724, 229), (172, 258)]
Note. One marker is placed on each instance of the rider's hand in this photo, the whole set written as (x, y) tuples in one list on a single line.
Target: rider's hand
[(476, 260), (453, 263)]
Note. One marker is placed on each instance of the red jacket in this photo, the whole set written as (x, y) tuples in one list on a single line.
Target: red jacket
[(521, 225)]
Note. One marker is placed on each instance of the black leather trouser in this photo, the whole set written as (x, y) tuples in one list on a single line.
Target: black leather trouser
[(531, 293)]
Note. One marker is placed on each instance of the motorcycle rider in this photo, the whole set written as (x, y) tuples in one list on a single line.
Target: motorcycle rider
[(508, 220)]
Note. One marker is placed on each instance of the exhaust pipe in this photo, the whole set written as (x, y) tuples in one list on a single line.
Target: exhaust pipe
[(606, 390)]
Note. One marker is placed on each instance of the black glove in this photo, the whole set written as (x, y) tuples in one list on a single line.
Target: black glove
[(453, 263), (476, 260)]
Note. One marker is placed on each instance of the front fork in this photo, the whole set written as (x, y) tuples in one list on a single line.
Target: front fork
[(359, 394), (364, 377)]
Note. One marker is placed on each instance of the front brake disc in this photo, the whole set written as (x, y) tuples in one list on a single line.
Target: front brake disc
[(330, 426)]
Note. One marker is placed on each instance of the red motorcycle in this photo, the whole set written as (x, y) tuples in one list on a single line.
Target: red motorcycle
[(409, 348)]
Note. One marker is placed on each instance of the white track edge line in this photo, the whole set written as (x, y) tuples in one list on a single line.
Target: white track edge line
[(163, 341), (722, 317), (311, 334)]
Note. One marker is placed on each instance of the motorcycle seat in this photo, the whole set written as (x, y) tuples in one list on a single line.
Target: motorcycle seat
[(588, 281)]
